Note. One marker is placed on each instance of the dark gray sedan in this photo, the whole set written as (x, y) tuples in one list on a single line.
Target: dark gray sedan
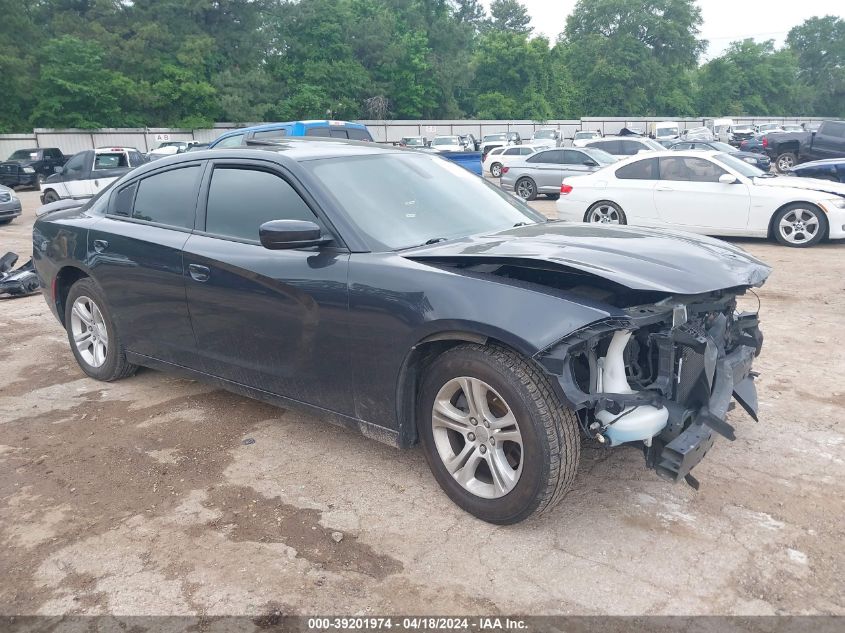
[(10, 205), (543, 172)]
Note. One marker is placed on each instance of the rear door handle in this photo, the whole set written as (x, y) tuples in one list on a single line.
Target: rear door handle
[(199, 273), (100, 245), (664, 189)]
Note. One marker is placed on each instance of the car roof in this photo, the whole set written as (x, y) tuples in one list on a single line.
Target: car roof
[(115, 148), (623, 138)]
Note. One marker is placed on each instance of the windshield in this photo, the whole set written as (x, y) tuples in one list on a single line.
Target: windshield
[(544, 134), (400, 201), (24, 154), (496, 137), (446, 140), (414, 141), (667, 131), (739, 165), (579, 135)]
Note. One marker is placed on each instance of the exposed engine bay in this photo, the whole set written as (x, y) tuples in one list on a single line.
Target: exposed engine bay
[(663, 375)]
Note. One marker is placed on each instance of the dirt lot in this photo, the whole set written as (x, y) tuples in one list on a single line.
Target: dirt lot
[(146, 496)]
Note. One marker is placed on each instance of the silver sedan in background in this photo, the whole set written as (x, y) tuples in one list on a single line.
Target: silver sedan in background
[(543, 172)]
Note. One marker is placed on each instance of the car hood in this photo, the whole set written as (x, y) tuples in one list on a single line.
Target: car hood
[(796, 182), (20, 163), (637, 258)]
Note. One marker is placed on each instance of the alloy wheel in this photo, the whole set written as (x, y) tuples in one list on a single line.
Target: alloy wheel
[(605, 214), (785, 162), (799, 226), (89, 331), (525, 189), (477, 437)]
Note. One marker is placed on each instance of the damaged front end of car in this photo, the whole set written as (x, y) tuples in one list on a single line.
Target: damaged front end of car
[(663, 374)]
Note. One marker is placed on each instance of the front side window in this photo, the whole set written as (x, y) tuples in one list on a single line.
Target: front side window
[(554, 156), (168, 197), (639, 170), (689, 169), (571, 157), (241, 200), (135, 159), (76, 165), (231, 141)]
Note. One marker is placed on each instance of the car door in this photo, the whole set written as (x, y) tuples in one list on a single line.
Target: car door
[(547, 170), (576, 163), (135, 254), (690, 195), (633, 190), (274, 320), (76, 176)]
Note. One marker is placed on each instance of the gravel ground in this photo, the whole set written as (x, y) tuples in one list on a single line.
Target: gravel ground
[(145, 497)]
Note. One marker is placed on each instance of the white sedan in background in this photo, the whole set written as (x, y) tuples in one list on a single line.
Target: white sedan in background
[(499, 157), (706, 192)]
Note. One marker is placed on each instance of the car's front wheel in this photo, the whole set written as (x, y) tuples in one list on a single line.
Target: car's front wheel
[(605, 212), (799, 224), (93, 338), (499, 442)]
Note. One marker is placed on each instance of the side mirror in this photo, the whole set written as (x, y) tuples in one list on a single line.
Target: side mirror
[(727, 179), (286, 234), (59, 169)]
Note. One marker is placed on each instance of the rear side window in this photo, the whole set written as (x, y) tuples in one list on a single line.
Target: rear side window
[(356, 134), (124, 199), (267, 135), (571, 157), (689, 169), (833, 128), (241, 200), (318, 131), (231, 141), (512, 152), (639, 170), (168, 198)]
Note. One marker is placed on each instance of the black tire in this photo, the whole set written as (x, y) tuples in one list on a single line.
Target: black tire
[(115, 366), (550, 436), (50, 196), (785, 160), (6, 221), (610, 208), (528, 190), (799, 214), (39, 180), (553, 196), (496, 170)]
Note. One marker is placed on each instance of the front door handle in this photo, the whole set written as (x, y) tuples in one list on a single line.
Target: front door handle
[(100, 245), (199, 273), (664, 189)]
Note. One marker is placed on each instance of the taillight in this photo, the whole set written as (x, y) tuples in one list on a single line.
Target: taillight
[(765, 142), (565, 189), (505, 170)]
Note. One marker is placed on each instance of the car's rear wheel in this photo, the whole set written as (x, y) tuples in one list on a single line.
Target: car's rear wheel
[(495, 436), (799, 225), (785, 161), (526, 188), (50, 196), (496, 170), (93, 338), (605, 212)]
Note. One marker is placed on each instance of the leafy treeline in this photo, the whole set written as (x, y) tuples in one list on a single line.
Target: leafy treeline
[(187, 63)]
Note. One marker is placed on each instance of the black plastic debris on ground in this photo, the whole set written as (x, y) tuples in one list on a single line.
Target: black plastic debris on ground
[(16, 282)]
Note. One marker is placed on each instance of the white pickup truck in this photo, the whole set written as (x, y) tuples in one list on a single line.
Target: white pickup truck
[(90, 171)]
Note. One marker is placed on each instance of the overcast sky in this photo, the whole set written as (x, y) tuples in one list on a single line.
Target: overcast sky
[(724, 20)]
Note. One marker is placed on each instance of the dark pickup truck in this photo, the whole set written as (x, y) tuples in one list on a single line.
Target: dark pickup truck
[(30, 167), (787, 149)]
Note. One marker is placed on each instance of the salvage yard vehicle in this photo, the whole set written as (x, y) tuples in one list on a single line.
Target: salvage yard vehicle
[(624, 146), (10, 205), (501, 156), (448, 144), (585, 136), (392, 292), (89, 171), (760, 161), (546, 138), (413, 141), (168, 148), (739, 133), (713, 193), (830, 169), (788, 149), (29, 167), (543, 172), (502, 139), (321, 128)]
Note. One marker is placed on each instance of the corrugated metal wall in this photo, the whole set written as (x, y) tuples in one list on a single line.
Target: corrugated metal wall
[(145, 139)]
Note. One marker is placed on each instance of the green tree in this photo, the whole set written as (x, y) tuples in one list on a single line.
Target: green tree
[(819, 45), (509, 15)]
